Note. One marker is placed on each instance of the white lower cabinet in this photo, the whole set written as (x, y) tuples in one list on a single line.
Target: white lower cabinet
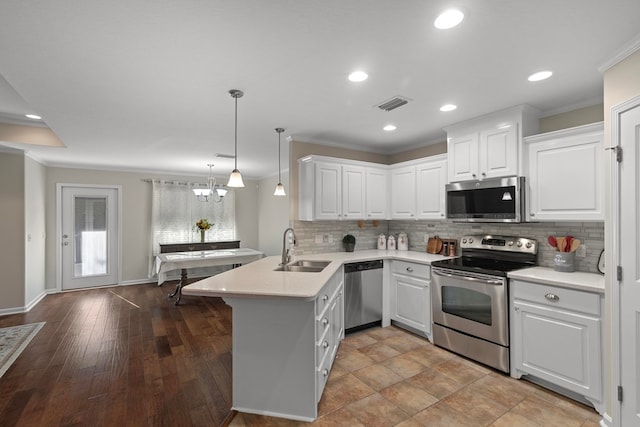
[(556, 336), (410, 296), (283, 350)]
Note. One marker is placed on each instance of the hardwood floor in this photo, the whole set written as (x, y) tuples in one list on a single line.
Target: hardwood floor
[(121, 356), (126, 356)]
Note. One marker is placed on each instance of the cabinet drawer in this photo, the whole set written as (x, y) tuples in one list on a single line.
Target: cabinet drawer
[(322, 375), (421, 271), (327, 293), (557, 297)]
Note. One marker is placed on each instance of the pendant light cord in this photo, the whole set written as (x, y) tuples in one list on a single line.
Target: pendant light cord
[(236, 136), (279, 179)]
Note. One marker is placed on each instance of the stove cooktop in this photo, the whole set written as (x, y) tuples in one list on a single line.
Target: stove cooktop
[(493, 267)]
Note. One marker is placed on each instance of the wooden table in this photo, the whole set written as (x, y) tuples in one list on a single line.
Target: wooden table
[(184, 260)]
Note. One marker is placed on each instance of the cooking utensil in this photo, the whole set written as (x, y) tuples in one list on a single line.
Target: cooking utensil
[(575, 243), (552, 241), (561, 243), (567, 241)]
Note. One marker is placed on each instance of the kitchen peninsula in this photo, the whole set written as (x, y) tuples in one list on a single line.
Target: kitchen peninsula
[(287, 327)]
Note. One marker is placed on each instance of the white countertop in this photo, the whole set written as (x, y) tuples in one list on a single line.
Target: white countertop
[(579, 280), (258, 280)]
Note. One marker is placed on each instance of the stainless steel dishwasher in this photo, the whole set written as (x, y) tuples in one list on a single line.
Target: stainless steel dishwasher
[(363, 295)]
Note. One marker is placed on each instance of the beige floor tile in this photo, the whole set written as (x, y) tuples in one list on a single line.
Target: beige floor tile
[(342, 391), (404, 365), (478, 407), (380, 334), (250, 420), (379, 352), (512, 420), (408, 397), (404, 343), (338, 418), (430, 355), (409, 423), (377, 376), (435, 383), (545, 413), (460, 371), (443, 415), (359, 339), (376, 411), (500, 388), (352, 360)]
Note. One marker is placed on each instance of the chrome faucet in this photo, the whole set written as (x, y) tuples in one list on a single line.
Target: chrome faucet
[(286, 252)]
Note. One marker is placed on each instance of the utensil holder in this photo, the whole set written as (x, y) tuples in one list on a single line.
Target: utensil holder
[(564, 261)]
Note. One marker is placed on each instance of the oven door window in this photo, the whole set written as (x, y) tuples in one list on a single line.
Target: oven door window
[(467, 303)]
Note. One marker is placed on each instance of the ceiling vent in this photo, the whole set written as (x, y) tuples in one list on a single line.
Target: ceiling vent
[(393, 103), (225, 156)]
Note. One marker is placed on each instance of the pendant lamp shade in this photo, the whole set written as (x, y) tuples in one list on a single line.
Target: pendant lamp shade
[(279, 188), (235, 179)]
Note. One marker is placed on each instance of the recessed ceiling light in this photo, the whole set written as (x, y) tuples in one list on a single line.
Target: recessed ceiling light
[(540, 75), (448, 19), (358, 76), (389, 128), (33, 116), (448, 107)]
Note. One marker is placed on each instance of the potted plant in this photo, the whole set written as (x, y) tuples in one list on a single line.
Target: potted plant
[(203, 225), (349, 242)]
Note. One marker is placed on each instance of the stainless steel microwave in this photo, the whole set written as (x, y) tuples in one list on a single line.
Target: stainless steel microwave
[(489, 200)]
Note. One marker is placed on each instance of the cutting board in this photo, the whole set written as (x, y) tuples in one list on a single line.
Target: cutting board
[(434, 245)]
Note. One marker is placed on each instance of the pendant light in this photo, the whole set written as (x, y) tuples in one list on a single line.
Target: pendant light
[(279, 188), (235, 179)]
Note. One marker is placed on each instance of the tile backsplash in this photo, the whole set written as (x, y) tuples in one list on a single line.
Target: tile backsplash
[(590, 234)]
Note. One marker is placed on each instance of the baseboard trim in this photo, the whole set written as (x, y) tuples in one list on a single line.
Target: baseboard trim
[(35, 301)]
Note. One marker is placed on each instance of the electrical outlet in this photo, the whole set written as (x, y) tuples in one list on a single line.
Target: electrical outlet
[(426, 238), (318, 238), (330, 237), (581, 252)]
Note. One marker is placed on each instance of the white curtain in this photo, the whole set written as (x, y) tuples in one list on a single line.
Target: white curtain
[(175, 210)]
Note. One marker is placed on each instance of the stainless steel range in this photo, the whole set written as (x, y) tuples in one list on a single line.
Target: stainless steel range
[(471, 300)]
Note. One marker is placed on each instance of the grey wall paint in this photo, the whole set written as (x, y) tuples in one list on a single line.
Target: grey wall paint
[(273, 216), (35, 228)]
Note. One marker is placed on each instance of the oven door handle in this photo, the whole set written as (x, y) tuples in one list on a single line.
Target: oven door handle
[(469, 278)]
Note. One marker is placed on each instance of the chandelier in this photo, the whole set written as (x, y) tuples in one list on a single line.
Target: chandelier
[(211, 190)]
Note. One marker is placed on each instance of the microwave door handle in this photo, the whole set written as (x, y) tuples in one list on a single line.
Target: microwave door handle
[(469, 278)]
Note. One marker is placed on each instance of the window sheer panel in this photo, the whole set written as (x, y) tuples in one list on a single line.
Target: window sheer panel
[(175, 210)]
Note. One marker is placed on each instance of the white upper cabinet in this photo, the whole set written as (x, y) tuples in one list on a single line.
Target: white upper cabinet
[(564, 174), (377, 193), (431, 178), (336, 189), (353, 192), (403, 190), (489, 146), (417, 189)]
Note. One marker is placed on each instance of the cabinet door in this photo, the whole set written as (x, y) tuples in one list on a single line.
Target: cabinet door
[(353, 192), (463, 158), (411, 302), (561, 347), (377, 185), (565, 178), (498, 150), (328, 191), (430, 198), (403, 193), (337, 321)]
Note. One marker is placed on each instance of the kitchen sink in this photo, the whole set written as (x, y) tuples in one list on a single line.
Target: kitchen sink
[(304, 266)]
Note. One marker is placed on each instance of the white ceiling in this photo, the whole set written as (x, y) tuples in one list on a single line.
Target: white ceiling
[(141, 85)]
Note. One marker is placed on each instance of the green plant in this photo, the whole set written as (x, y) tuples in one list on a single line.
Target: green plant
[(349, 239)]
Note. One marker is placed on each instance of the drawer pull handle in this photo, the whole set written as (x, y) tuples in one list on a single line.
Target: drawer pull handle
[(325, 344), (325, 297), (325, 372), (410, 269), (325, 321), (552, 297)]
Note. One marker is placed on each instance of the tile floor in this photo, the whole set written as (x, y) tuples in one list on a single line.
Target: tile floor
[(389, 377)]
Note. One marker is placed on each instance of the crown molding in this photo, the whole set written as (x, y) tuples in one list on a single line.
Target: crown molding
[(625, 51)]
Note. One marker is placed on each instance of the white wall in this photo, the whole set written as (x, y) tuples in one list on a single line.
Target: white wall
[(12, 246), (274, 214), (35, 200)]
